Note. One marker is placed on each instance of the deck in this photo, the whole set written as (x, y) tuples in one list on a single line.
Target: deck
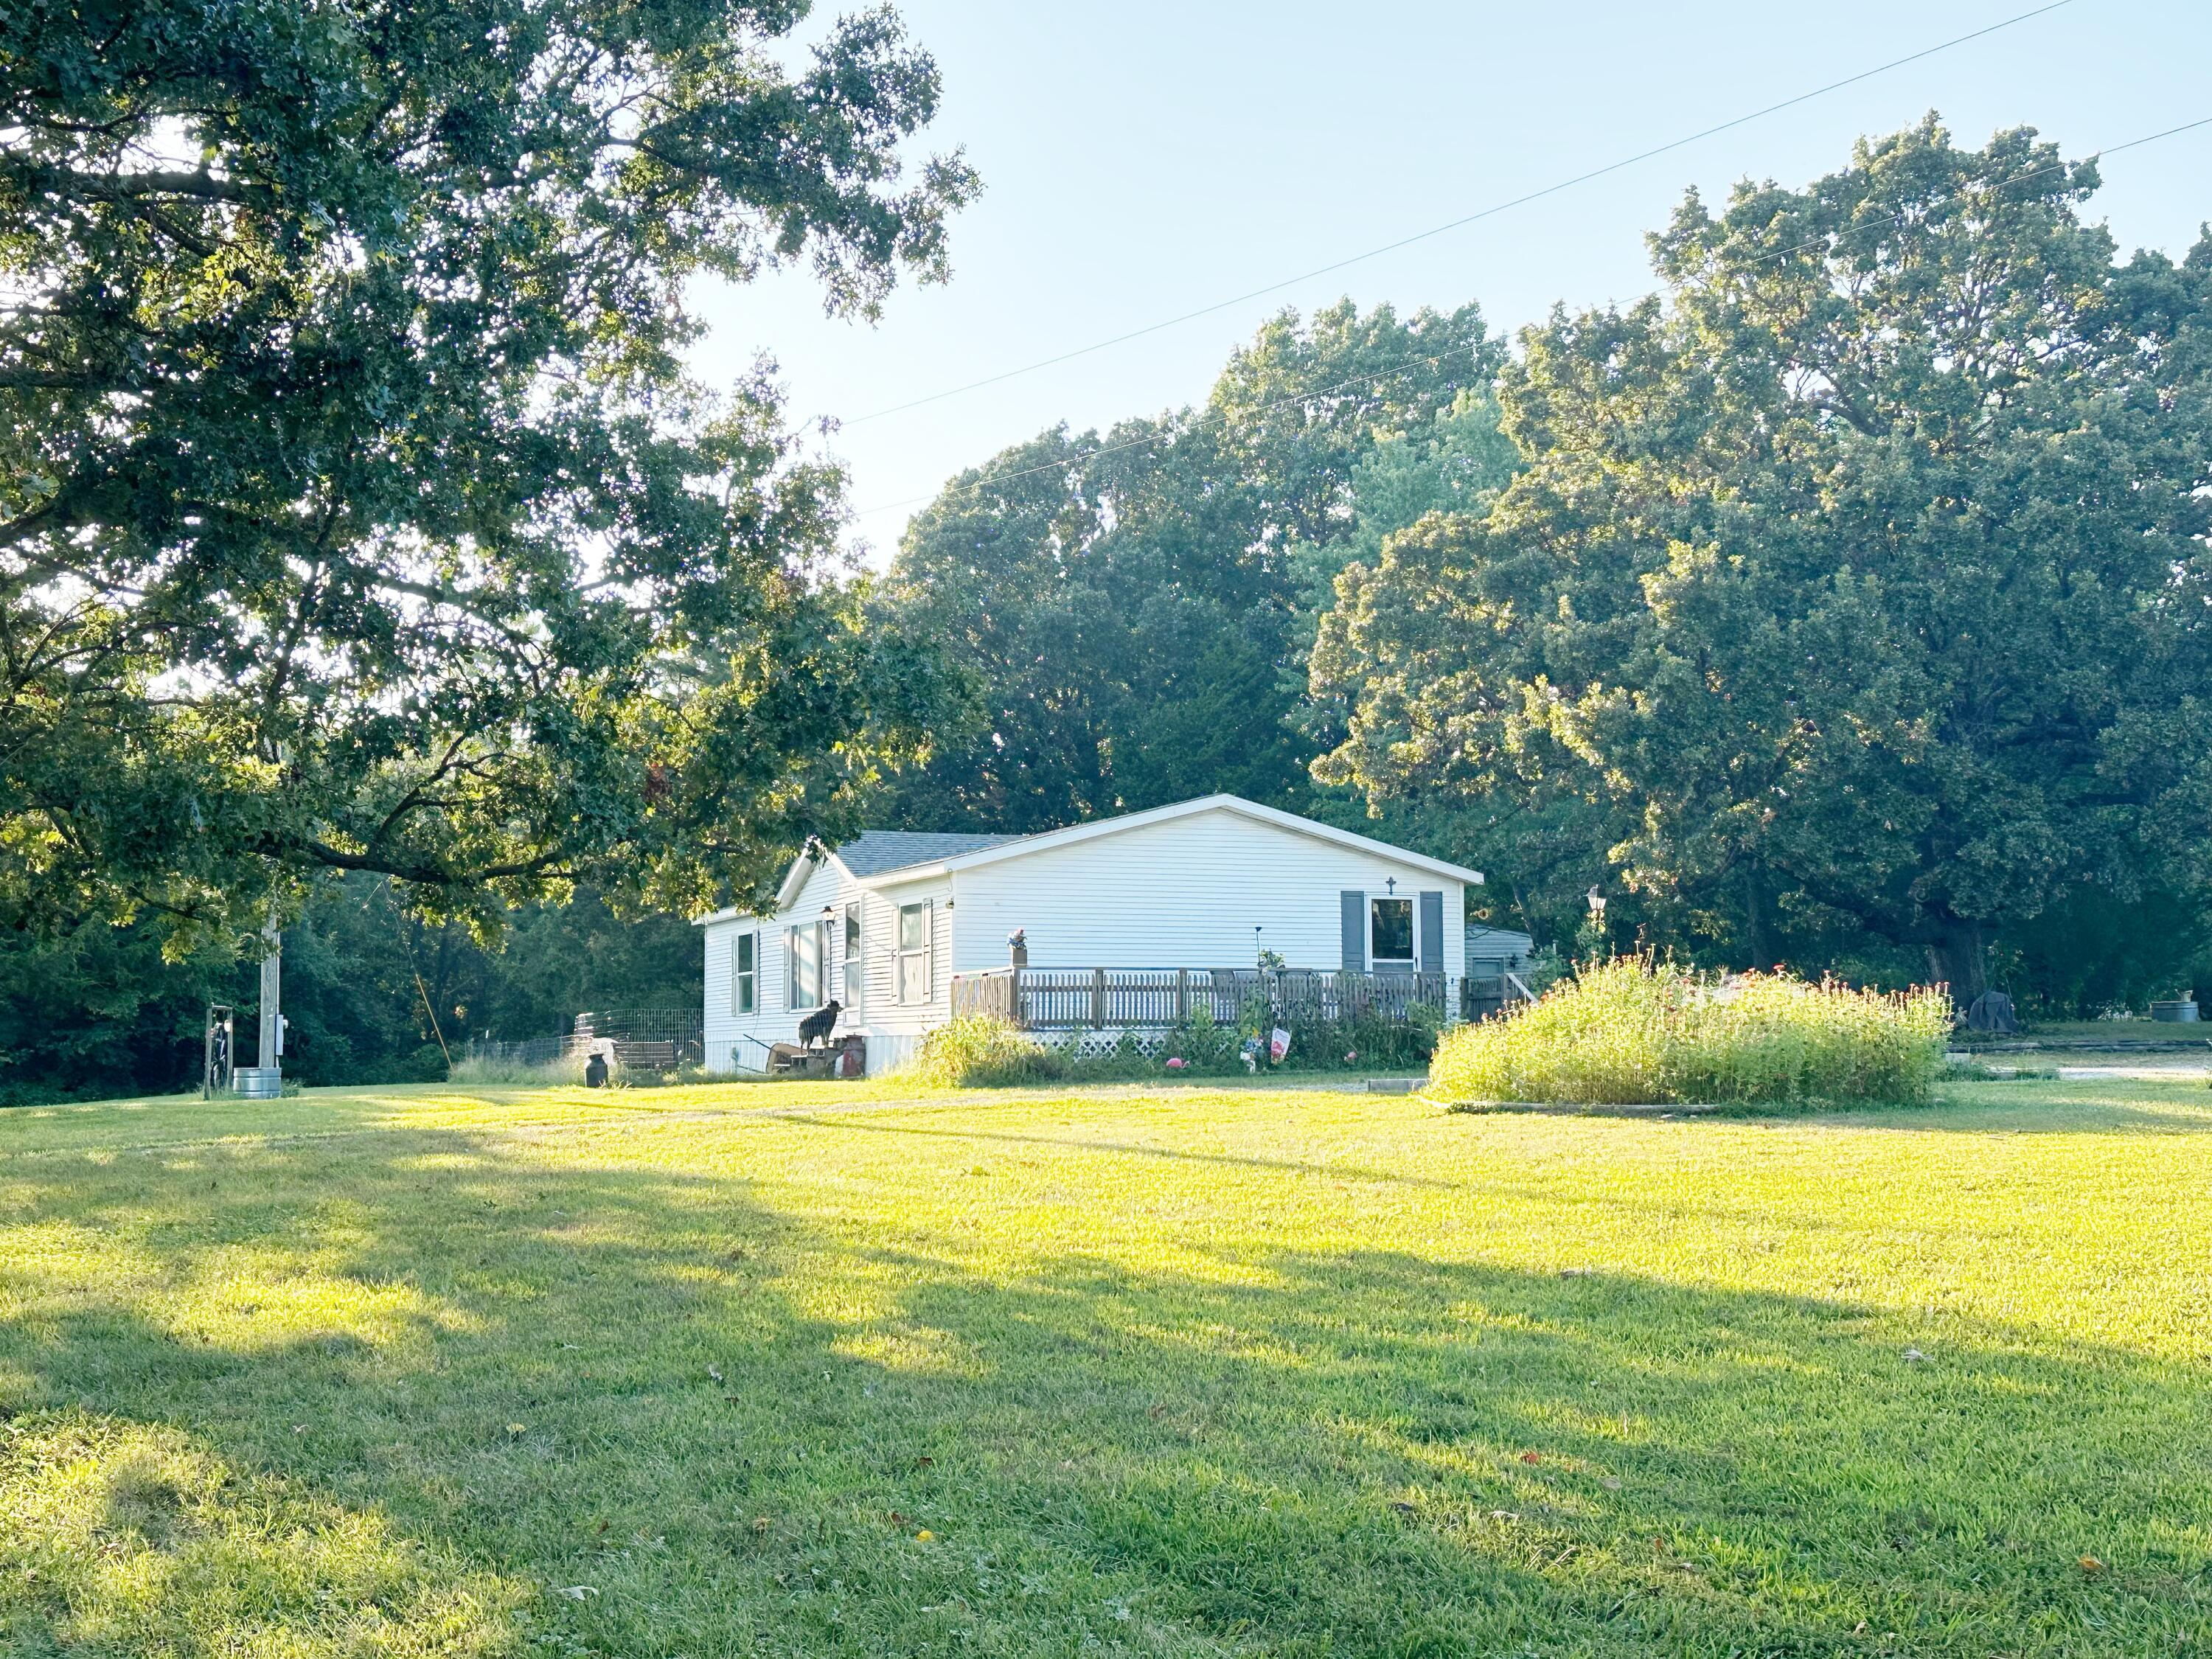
[(1115, 999)]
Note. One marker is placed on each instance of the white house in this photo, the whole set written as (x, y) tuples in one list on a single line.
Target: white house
[(884, 923)]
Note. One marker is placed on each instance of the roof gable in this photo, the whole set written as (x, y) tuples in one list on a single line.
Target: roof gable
[(1014, 846), (876, 855), (884, 853)]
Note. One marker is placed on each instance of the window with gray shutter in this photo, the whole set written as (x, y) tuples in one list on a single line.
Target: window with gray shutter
[(1432, 933), (1355, 932)]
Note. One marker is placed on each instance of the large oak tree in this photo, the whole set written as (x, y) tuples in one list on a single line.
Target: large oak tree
[(1859, 583), (356, 511), (1135, 606)]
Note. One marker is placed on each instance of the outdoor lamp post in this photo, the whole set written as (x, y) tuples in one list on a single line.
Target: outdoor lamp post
[(1592, 940)]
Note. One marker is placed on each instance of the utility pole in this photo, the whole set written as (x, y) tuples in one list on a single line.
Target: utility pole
[(264, 1079), (270, 1054)]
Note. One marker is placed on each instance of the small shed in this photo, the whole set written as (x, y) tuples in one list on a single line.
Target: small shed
[(1493, 952)]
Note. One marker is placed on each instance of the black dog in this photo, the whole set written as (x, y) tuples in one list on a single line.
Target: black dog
[(816, 1027)]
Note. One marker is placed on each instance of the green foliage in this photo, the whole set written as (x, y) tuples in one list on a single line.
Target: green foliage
[(1967, 1069), (97, 1011), (1631, 1031), (1546, 966), (981, 1051), (975, 1051), (1367, 1043), (472, 1070), (1456, 462), (2093, 951), (1855, 597), (356, 513), (1207, 1048), (1125, 603), (93, 1011)]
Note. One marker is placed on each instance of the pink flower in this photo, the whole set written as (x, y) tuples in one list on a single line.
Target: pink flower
[(1350, 1055)]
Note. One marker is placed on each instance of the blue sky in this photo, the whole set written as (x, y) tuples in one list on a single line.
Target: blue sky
[(1144, 158)]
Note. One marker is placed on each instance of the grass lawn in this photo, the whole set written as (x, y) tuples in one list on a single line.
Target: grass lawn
[(801, 1371)]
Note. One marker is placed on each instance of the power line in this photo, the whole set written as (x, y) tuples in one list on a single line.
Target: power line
[(1383, 373), (1456, 224)]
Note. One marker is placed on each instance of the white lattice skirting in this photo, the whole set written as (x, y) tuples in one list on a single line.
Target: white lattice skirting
[(1151, 1042)]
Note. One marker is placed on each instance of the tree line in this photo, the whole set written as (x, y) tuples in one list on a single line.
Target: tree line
[(371, 563), (1843, 604), (373, 992)]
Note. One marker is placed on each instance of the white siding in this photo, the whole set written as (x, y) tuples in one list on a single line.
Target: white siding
[(891, 1028), (1185, 893)]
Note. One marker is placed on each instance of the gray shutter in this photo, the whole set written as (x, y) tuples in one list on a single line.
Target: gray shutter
[(790, 969), (1432, 933), (1355, 931)]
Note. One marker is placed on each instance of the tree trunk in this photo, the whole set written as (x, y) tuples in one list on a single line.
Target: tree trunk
[(1754, 909), (1959, 956)]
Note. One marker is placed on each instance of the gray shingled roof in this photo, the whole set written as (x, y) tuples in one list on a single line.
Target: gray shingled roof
[(880, 850)]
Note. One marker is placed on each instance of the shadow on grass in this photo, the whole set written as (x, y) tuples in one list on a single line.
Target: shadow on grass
[(1067, 1145), (728, 1423), (2067, 1106)]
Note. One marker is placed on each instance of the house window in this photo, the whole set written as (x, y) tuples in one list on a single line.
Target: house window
[(806, 956), (911, 976), (744, 973), (856, 961), (1390, 932)]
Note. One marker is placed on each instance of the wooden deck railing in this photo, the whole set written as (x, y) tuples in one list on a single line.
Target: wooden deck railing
[(1111, 998)]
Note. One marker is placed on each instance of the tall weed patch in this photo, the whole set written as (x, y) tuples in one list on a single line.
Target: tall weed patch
[(481, 1072), (977, 1051), (1633, 1030)]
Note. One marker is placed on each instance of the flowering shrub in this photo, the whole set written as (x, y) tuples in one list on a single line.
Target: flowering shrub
[(979, 1051), (1633, 1030)]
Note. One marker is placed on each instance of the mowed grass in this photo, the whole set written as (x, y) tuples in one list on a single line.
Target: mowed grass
[(805, 1371)]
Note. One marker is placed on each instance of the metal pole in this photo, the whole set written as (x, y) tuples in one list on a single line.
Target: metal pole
[(272, 1017)]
